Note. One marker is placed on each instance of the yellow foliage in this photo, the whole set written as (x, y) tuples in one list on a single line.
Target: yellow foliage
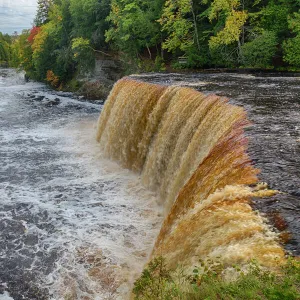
[(50, 28), (52, 78), (39, 40), (222, 5), (232, 30)]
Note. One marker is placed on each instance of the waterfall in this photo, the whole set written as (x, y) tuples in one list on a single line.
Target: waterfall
[(191, 149)]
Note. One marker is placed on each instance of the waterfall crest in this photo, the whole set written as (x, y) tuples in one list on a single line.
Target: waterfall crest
[(191, 149)]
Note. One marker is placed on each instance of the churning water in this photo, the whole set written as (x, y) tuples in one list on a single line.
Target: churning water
[(72, 224)]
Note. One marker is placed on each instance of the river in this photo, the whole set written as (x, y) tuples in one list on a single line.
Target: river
[(74, 225), (272, 103)]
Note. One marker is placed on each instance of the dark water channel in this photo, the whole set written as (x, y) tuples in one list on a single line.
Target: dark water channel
[(273, 106)]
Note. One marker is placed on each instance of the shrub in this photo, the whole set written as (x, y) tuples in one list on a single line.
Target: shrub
[(259, 52), (291, 49), (211, 280)]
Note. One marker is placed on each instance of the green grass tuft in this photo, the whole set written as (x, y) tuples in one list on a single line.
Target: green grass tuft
[(212, 281)]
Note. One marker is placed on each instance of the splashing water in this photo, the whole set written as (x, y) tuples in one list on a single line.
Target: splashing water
[(72, 224)]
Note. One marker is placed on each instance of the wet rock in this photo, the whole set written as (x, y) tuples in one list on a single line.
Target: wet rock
[(39, 98), (58, 196), (296, 193), (31, 240), (52, 102)]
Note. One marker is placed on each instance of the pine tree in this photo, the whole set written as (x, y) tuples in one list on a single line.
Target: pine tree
[(42, 12)]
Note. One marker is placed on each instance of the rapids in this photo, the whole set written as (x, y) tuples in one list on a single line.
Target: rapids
[(73, 225)]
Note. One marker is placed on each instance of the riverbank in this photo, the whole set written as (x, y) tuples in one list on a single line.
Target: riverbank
[(97, 87)]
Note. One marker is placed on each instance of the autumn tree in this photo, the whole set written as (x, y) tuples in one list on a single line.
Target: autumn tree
[(207, 33), (230, 17)]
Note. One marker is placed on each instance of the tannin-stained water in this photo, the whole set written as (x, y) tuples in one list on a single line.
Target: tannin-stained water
[(73, 225), (273, 107), (196, 150)]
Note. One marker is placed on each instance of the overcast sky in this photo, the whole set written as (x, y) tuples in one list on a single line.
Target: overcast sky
[(16, 15)]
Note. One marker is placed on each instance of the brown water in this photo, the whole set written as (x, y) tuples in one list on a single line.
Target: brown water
[(272, 104), (191, 149)]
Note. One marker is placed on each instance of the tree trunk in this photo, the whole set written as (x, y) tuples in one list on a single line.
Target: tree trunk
[(150, 55), (195, 25)]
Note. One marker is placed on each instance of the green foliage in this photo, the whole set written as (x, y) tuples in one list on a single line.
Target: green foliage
[(155, 282), (207, 33), (259, 52), (291, 49), (88, 19), (231, 31), (294, 22), (42, 12), (177, 23), (291, 46), (225, 56), (273, 17), (83, 53), (4, 51), (21, 52), (133, 25), (5, 41), (46, 45), (211, 280)]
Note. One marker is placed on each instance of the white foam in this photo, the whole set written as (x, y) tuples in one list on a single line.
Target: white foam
[(5, 296), (94, 205)]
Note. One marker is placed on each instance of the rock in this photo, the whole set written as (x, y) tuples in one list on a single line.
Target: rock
[(296, 193), (58, 196), (52, 102), (39, 98)]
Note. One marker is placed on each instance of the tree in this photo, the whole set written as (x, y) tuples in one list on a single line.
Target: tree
[(234, 17), (88, 19), (179, 26), (47, 47), (42, 12), (133, 25), (258, 53), (291, 46), (21, 53), (83, 53), (5, 42)]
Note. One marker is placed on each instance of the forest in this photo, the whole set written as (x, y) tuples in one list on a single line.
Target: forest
[(152, 35)]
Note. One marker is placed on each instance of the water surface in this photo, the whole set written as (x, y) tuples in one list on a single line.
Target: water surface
[(72, 224), (273, 106)]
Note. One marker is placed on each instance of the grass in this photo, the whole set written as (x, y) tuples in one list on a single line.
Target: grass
[(210, 281)]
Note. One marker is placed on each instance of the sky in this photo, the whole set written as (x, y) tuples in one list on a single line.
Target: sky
[(16, 15)]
